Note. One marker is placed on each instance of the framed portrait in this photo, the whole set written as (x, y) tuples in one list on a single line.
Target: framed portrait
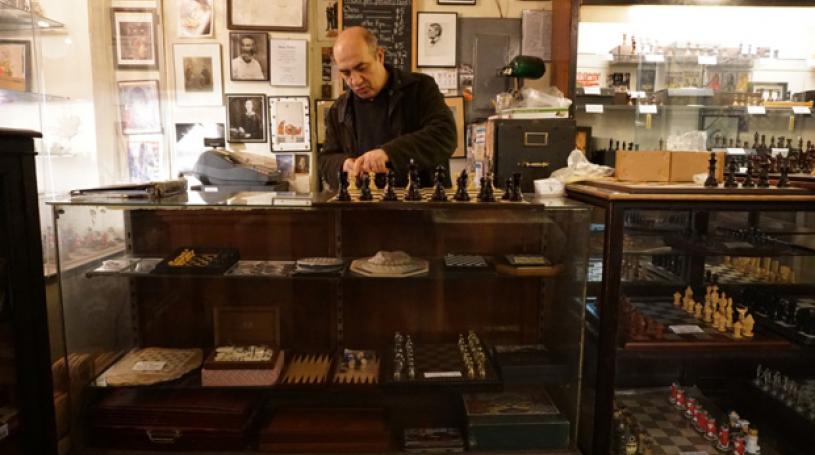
[(189, 143), (249, 56), (280, 15), (285, 164), (327, 19), (134, 36), (198, 74), (144, 158), (246, 118), (195, 19), (15, 65), (455, 2), (436, 39), (456, 105), (289, 123), (769, 91), (321, 108), (289, 58), (302, 163), (139, 107)]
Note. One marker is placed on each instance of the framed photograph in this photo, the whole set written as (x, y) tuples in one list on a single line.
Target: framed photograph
[(189, 143), (144, 158), (327, 19), (15, 65), (280, 15), (198, 74), (139, 107), (769, 91), (285, 164), (456, 105), (246, 118), (321, 108), (134, 36), (195, 19), (289, 123), (302, 163), (455, 2), (249, 56), (289, 58), (436, 39), (582, 139)]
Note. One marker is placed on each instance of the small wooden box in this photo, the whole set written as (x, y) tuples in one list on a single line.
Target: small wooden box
[(643, 166), (684, 165)]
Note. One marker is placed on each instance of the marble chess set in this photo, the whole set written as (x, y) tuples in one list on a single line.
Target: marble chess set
[(796, 395), (439, 363), (717, 310)]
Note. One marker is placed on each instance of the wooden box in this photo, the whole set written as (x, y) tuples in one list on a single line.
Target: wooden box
[(643, 166), (684, 165)]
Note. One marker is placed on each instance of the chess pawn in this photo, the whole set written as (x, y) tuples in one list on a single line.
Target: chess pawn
[(486, 194), (677, 298), (698, 311), (708, 313), (737, 330), (722, 324), (365, 194), (343, 194), (716, 318), (742, 312), (461, 187), (747, 326), (688, 292), (730, 182), (390, 191)]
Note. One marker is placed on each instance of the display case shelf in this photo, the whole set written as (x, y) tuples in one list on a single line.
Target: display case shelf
[(16, 20)]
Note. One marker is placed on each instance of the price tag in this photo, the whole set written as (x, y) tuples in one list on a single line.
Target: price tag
[(210, 189), (591, 90), (756, 110), (708, 60), (442, 374), (735, 151), (594, 109), (636, 94), (648, 108), (685, 329), (149, 365), (654, 58), (801, 110)]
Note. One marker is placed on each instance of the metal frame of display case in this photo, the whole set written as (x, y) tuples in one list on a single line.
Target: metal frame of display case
[(615, 204)]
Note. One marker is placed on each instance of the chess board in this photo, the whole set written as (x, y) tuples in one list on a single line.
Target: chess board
[(670, 432), (729, 275), (427, 193), (437, 364)]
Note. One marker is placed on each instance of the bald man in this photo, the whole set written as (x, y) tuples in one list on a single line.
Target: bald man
[(387, 118)]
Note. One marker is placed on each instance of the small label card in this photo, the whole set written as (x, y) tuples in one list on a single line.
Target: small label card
[(707, 60), (685, 329), (292, 202), (654, 58), (149, 365), (735, 151), (591, 90), (756, 110), (635, 94), (594, 109), (442, 374), (801, 110), (648, 108)]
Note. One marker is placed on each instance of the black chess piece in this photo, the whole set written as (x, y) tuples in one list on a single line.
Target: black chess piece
[(764, 176), (507, 189), (630, 146), (636, 147), (711, 182), (365, 188), (755, 141), (784, 179), (390, 192), (486, 193), (748, 179), (517, 195), (730, 181), (413, 191), (660, 143), (439, 195), (343, 194), (461, 187)]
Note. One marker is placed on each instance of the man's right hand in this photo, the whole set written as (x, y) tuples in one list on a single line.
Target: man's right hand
[(348, 165)]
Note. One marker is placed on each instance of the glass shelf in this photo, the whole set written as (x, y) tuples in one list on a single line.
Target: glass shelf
[(14, 19)]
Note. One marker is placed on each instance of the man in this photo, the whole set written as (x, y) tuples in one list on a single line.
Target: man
[(387, 118), (245, 67), (434, 33)]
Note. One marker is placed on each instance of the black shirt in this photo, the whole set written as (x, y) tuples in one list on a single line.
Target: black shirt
[(371, 121)]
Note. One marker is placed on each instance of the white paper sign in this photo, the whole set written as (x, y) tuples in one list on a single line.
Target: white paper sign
[(756, 110), (591, 90), (801, 110), (735, 151), (637, 94), (287, 62), (446, 78), (707, 60), (594, 108), (654, 58), (685, 329), (442, 374), (648, 108), (149, 365)]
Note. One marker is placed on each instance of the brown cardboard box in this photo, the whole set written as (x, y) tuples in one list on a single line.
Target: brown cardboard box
[(643, 166), (684, 165)]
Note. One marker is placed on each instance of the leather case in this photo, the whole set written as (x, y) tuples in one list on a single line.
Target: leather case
[(351, 430)]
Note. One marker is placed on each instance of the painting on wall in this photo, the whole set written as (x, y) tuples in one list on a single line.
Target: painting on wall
[(289, 123), (134, 34)]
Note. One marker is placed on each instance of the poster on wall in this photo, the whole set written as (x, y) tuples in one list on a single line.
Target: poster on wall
[(134, 34), (189, 142), (289, 123), (139, 107), (198, 74), (249, 56), (327, 14), (280, 15), (246, 117), (289, 59), (436, 39), (144, 158), (15, 65), (195, 19)]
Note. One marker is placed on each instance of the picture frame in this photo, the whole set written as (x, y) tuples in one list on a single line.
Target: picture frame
[(289, 123), (253, 45), (15, 57), (198, 74), (285, 165), (134, 38), (456, 105), (302, 163), (245, 117), (195, 19), (144, 158), (436, 39), (269, 15), (769, 91), (327, 19), (455, 2), (289, 58), (582, 140), (139, 107), (189, 143), (321, 108)]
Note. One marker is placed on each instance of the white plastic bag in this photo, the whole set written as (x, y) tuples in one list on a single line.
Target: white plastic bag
[(551, 97), (578, 168)]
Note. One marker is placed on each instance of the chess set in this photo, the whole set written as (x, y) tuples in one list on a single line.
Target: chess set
[(750, 242), (796, 395), (349, 190), (751, 270), (789, 316), (198, 261)]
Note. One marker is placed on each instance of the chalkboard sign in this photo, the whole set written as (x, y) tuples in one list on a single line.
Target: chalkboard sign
[(390, 20)]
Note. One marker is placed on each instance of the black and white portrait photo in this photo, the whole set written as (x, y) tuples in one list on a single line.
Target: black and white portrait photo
[(246, 118), (249, 54), (198, 74), (436, 39)]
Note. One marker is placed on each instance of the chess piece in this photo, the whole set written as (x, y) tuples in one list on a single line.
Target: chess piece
[(390, 192), (751, 444), (365, 189), (413, 191), (517, 195), (730, 182), (707, 313), (742, 310), (748, 179), (461, 187), (763, 176), (784, 179), (507, 189), (747, 326), (486, 194), (343, 194), (677, 298), (698, 311), (439, 195), (737, 330), (711, 182)]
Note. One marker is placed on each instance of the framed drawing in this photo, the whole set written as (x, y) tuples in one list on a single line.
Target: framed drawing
[(195, 19), (321, 108), (246, 118), (436, 39), (280, 15), (134, 36), (249, 56), (198, 74), (15, 65), (769, 91), (139, 107), (289, 123), (327, 15), (289, 59), (144, 158), (456, 105)]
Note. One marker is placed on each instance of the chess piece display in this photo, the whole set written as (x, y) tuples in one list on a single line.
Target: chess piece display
[(439, 195), (507, 189), (711, 182), (730, 182), (486, 194), (365, 189), (517, 195), (748, 179), (413, 191), (763, 176), (390, 192), (784, 179), (343, 194), (461, 187)]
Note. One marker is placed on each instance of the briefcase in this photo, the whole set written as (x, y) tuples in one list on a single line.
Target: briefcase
[(173, 419)]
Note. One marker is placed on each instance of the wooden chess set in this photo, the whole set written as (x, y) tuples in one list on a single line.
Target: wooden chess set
[(198, 261)]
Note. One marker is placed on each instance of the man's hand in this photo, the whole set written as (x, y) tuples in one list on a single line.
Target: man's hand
[(372, 161), (348, 165)]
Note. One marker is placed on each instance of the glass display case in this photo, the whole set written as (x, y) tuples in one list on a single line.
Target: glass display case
[(271, 322), (700, 329)]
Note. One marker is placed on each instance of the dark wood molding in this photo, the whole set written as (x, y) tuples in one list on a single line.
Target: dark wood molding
[(700, 2), (564, 45)]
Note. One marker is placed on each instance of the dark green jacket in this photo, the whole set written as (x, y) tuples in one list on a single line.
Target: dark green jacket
[(421, 125)]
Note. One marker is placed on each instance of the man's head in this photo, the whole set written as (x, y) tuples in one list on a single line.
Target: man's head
[(434, 32), (361, 62), (247, 48)]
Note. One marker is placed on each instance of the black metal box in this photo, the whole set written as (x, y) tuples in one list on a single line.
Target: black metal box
[(533, 147)]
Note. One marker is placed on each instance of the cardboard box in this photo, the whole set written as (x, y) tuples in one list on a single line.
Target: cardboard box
[(643, 166), (684, 165)]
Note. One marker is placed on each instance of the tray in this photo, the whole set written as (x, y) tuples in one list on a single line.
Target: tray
[(192, 260)]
